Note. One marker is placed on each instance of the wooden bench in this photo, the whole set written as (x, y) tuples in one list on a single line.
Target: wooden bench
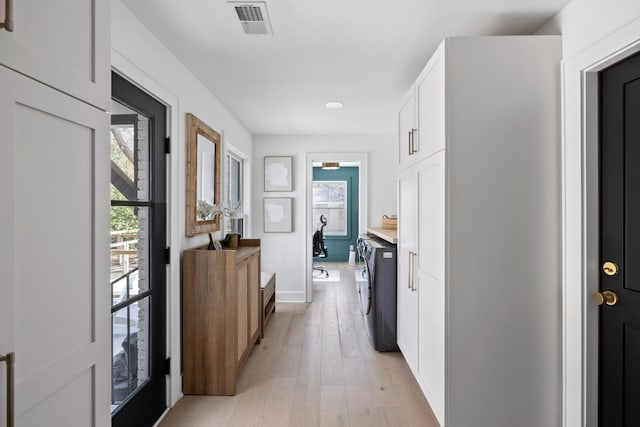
[(267, 298)]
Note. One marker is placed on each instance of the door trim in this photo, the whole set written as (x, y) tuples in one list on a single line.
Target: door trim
[(580, 219), (361, 159), (131, 72)]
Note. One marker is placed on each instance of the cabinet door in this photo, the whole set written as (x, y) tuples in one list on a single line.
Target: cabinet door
[(431, 349), (54, 225), (407, 131), (242, 308), (430, 271), (254, 296), (430, 100), (430, 198), (407, 330), (62, 43)]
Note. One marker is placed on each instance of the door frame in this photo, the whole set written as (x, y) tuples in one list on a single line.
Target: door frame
[(580, 219), (361, 159), (131, 72)]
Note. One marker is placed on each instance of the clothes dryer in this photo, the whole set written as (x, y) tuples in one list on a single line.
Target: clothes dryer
[(378, 294)]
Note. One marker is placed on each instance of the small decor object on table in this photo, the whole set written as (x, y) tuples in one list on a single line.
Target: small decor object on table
[(217, 245), (231, 240)]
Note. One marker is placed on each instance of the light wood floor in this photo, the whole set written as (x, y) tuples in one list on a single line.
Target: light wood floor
[(315, 367)]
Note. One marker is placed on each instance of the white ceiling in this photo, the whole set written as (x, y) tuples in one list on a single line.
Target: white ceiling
[(365, 53)]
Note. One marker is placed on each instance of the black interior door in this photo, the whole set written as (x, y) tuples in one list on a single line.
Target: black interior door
[(138, 264), (619, 363)]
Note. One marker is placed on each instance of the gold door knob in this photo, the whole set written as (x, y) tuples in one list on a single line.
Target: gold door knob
[(606, 297), (610, 268)]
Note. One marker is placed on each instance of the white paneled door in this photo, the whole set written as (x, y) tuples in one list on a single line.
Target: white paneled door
[(54, 293)]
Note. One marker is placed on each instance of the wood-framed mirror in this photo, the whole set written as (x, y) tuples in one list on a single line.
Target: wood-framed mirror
[(203, 177)]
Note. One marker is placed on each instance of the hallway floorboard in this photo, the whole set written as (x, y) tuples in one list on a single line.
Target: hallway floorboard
[(315, 367)]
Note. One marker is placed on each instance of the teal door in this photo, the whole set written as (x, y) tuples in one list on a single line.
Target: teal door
[(335, 195)]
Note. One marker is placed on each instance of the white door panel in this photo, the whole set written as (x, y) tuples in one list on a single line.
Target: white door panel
[(62, 43), (55, 305), (430, 99), (407, 328), (431, 350), (431, 212), (52, 409)]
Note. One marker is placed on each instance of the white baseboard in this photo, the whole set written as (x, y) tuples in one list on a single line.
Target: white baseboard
[(287, 296)]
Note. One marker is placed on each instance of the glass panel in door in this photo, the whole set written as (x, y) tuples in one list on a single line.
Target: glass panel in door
[(138, 264)]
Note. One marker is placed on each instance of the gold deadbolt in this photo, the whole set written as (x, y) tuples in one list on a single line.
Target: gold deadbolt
[(606, 297), (610, 268)]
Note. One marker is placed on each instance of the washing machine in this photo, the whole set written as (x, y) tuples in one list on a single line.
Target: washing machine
[(377, 292)]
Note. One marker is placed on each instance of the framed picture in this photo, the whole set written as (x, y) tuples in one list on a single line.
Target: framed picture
[(278, 174), (277, 215)]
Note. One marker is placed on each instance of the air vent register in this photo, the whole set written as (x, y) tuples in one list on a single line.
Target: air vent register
[(253, 17)]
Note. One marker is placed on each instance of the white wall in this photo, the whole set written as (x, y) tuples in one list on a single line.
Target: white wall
[(583, 23), (595, 34), (137, 54), (133, 41), (284, 253)]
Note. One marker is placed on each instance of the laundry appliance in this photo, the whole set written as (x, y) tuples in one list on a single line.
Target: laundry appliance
[(377, 294)]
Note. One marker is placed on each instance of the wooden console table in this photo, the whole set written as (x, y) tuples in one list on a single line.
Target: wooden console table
[(220, 315)]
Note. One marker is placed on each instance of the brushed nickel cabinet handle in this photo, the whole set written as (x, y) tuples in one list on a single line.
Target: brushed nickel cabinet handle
[(409, 275), (8, 16), (410, 143), (413, 141), (413, 273), (10, 359)]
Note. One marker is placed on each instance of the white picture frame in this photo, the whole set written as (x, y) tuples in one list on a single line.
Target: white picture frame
[(277, 214), (278, 172)]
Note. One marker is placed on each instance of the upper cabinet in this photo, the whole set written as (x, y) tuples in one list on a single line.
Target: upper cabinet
[(421, 118), (64, 44), (430, 107)]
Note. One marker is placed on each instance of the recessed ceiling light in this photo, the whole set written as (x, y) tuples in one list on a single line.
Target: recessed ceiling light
[(334, 105)]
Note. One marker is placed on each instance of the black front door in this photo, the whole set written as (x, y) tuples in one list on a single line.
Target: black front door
[(138, 243), (619, 296)]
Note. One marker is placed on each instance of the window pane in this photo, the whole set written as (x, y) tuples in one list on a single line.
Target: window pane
[(130, 350), (235, 194), (129, 251), (329, 199), (234, 188), (237, 226), (129, 156)]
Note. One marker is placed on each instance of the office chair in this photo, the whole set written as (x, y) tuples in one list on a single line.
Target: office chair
[(319, 249)]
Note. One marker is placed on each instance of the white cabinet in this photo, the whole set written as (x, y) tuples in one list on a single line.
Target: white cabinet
[(421, 120), (407, 329), (429, 95), (479, 225), (54, 219), (430, 269), (420, 333), (64, 44)]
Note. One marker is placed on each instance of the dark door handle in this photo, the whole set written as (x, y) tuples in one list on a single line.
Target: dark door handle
[(9, 359)]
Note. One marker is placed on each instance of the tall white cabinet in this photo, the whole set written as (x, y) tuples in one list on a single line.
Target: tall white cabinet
[(479, 278), (54, 219)]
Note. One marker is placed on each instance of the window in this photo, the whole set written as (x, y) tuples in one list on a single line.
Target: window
[(329, 199), (235, 192)]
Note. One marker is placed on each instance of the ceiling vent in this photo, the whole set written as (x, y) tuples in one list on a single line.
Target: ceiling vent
[(253, 16)]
